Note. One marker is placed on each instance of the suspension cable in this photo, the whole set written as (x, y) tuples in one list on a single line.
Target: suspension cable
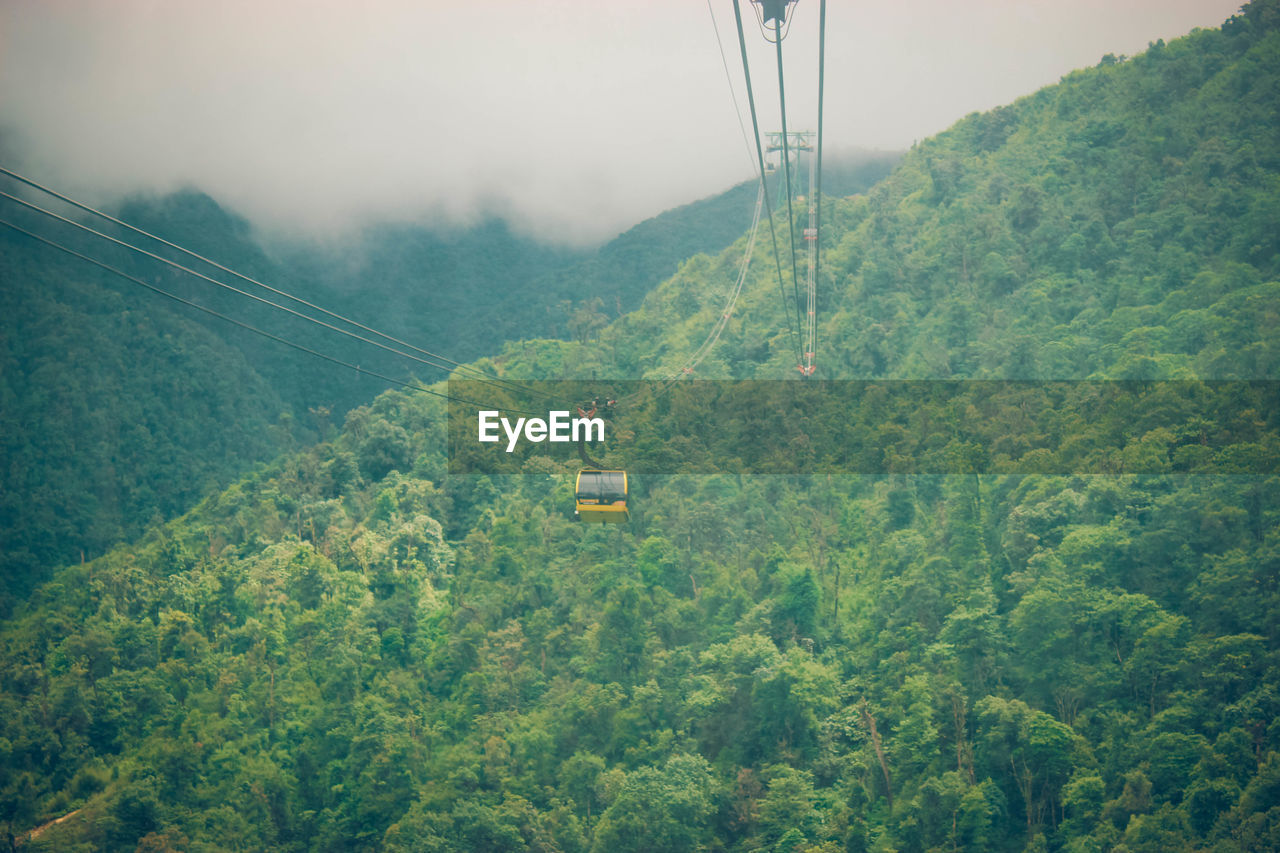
[(497, 382), (727, 313), (786, 166), (80, 205), (737, 110), (413, 386), (817, 196), (755, 126)]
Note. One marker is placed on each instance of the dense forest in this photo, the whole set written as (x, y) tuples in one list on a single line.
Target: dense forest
[(121, 411), (113, 416), (351, 649)]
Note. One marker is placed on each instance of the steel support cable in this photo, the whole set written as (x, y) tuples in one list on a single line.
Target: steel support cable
[(811, 280), (817, 196), (786, 165), (731, 303), (714, 335), (80, 205), (412, 386), (755, 126), (721, 322), (214, 281), (734, 293), (499, 383), (737, 109)]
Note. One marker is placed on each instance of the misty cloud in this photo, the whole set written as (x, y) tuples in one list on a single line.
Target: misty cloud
[(574, 118)]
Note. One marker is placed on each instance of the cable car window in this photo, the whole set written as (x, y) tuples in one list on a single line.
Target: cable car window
[(602, 486)]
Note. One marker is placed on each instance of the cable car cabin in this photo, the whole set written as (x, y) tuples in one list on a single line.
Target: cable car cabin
[(600, 496)]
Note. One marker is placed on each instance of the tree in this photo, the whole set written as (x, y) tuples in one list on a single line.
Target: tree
[(666, 809), (1030, 749)]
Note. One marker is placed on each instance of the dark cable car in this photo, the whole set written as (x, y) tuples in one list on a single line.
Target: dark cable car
[(600, 496)]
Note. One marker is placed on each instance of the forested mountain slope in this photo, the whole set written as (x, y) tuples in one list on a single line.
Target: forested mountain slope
[(1124, 224), (352, 650), (107, 432), (628, 267), (116, 414), (434, 287), (463, 291)]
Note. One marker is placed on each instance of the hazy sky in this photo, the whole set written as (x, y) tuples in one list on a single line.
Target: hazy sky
[(577, 118)]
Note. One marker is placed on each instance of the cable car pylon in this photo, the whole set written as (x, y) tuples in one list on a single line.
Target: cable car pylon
[(802, 141)]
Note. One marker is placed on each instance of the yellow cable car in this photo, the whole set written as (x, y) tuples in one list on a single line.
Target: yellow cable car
[(600, 496)]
